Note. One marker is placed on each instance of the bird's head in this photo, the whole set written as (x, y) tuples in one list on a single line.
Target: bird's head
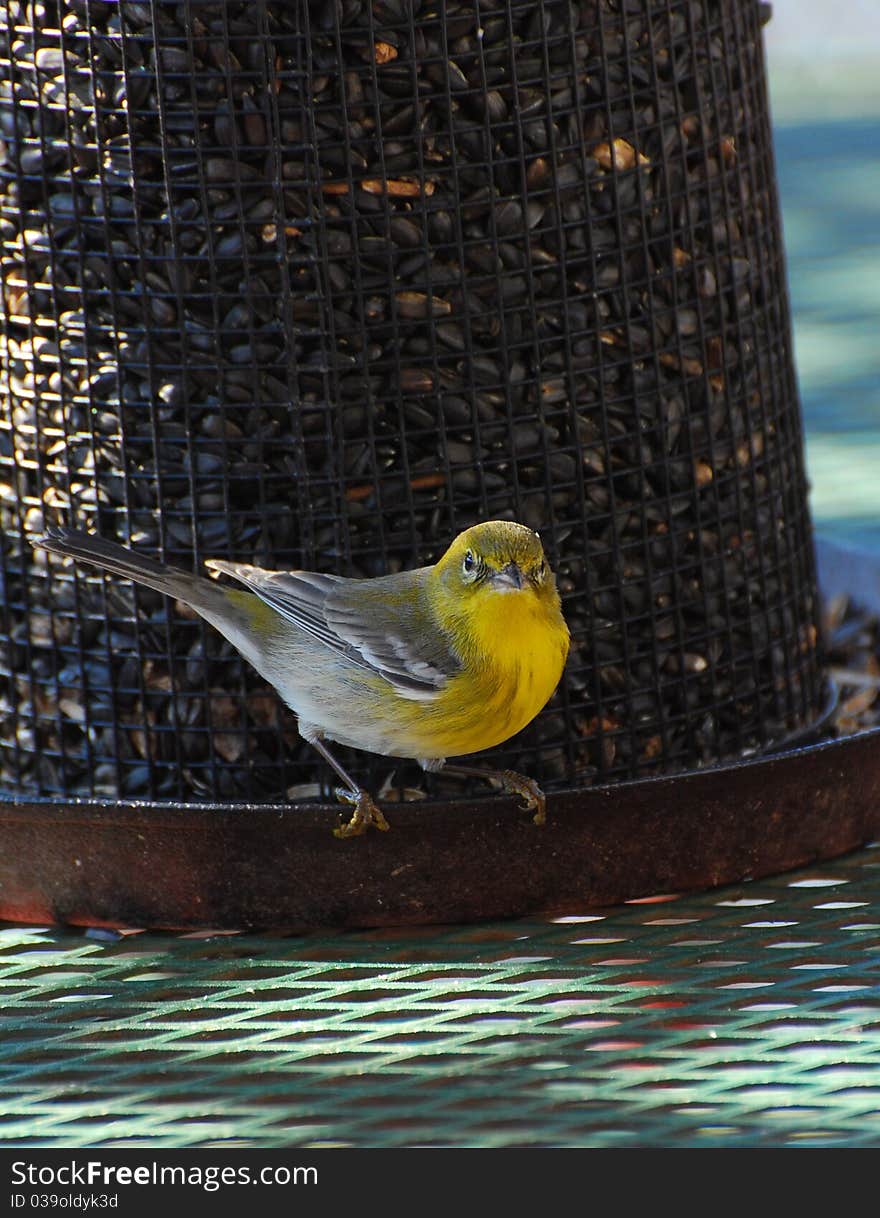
[(497, 558)]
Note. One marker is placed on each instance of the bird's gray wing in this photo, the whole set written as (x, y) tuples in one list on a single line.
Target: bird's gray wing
[(388, 621), (385, 635)]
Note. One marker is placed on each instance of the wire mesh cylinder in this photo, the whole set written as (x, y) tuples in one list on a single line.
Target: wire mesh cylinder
[(319, 285)]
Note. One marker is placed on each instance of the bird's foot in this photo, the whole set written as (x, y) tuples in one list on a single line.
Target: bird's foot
[(366, 813), (531, 794), (511, 783)]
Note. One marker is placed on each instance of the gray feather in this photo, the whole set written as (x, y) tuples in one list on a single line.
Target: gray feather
[(358, 623)]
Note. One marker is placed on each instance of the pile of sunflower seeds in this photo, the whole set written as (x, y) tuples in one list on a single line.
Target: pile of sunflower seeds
[(320, 284)]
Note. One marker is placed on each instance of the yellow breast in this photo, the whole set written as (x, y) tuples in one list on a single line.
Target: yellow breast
[(517, 649)]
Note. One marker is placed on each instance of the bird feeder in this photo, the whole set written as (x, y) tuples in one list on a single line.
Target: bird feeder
[(321, 284)]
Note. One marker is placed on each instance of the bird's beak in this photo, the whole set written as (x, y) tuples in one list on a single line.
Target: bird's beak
[(509, 578)]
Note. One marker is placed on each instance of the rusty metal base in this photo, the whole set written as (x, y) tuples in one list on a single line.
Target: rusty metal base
[(161, 865)]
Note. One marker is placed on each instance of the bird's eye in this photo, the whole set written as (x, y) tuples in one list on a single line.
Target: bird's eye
[(469, 562)]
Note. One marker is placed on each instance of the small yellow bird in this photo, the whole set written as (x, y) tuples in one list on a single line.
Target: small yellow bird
[(438, 662)]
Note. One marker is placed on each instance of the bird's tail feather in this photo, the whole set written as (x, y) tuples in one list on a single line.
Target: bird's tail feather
[(201, 594)]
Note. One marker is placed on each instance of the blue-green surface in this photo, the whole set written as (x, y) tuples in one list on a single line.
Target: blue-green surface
[(747, 1016), (829, 181)]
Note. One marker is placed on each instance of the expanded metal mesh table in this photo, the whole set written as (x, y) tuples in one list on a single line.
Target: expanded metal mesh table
[(748, 1015)]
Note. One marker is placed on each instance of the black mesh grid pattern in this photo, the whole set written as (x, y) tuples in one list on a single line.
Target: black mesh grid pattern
[(322, 284)]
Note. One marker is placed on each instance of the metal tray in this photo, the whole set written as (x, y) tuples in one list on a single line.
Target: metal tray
[(163, 865)]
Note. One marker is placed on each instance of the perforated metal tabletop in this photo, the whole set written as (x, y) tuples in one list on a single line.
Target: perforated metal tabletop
[(745, 1016)]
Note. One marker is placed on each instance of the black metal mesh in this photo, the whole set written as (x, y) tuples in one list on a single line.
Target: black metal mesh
[(321, 284)]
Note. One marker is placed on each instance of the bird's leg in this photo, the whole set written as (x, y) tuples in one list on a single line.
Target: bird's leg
[(366, 812), (511, 783)]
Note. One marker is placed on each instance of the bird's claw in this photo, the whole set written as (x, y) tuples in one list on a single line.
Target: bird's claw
[(366, 813), (528, 790)]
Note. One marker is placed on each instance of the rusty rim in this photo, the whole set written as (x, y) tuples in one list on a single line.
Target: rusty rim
[(245, 866)]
